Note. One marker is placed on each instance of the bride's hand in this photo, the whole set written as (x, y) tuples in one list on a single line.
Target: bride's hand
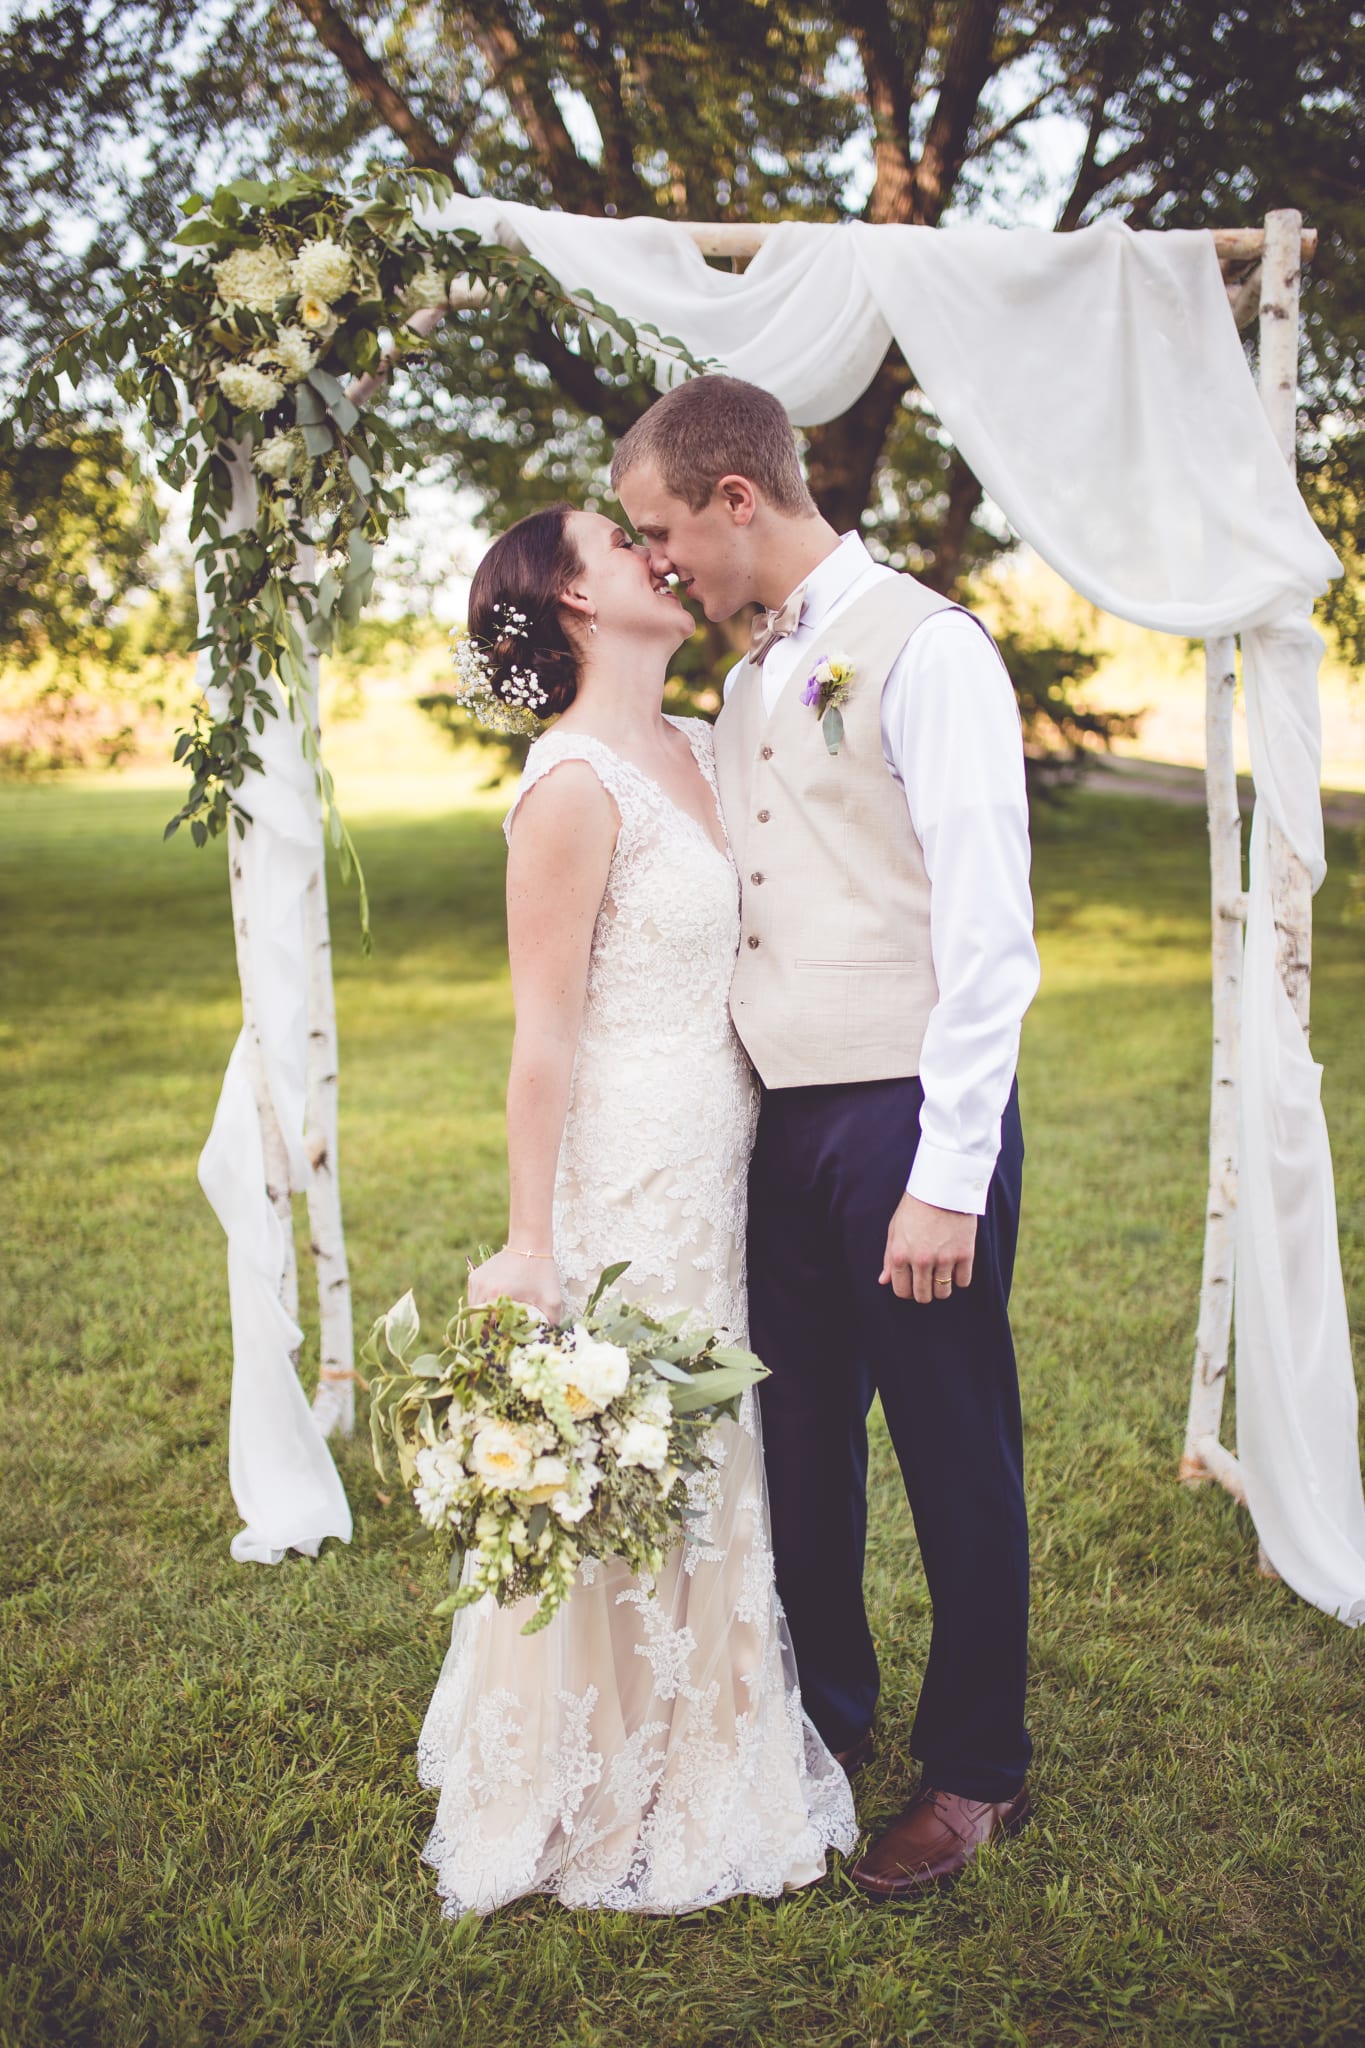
[(530, 1280)]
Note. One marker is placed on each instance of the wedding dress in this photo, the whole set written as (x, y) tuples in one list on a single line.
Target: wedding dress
[(647, 1751)]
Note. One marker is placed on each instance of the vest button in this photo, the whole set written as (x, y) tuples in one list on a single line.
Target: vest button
[(767, 753), (752, 943), (763, 817), (755, 876)]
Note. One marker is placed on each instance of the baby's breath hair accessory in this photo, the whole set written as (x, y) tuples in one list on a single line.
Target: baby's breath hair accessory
[(518, 705)]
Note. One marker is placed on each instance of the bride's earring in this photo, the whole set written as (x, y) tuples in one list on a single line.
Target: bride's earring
[(592, 625)]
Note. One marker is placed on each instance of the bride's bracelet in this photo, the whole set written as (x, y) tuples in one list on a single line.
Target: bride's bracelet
[(526, 1255)]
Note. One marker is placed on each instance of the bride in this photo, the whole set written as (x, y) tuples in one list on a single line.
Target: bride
[(647, 1751)]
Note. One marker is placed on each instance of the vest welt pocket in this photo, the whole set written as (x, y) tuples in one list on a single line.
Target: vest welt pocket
[(864, 966)]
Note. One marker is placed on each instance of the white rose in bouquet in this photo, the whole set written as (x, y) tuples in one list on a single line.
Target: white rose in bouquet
[(593, 1373), (548, 1476), (641, 1442)]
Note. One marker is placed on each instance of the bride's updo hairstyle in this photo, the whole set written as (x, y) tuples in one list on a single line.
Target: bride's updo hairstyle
[(515, 618)]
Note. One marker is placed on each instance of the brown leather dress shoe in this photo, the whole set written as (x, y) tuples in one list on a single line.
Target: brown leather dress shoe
[(934, 1840), (852, 1759)]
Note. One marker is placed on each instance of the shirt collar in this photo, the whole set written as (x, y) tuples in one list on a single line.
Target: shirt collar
[(832, 579)]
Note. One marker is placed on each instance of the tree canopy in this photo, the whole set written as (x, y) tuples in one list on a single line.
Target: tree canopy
[(1182, 113)]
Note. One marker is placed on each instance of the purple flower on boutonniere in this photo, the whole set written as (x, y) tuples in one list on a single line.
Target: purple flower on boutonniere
[(827, 687)]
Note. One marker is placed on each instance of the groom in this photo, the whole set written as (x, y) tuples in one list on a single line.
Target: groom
[(886, 960)]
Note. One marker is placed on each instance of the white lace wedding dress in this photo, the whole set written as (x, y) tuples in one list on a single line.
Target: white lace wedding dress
[(648, 1750)]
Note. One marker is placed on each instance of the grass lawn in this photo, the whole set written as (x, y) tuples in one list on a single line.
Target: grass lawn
[(210, 1827)]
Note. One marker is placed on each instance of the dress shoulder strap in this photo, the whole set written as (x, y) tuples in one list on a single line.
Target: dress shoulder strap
[(619, 779)]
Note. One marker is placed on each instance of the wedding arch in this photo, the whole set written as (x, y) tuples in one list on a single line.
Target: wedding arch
[(1096, 384)]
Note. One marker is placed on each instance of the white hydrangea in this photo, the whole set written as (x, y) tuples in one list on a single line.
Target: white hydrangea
[(593, 1373), (322, 267), (293, 350), (275, 457), (428, 288), (249, 389), (502, 1455), (253, 278)]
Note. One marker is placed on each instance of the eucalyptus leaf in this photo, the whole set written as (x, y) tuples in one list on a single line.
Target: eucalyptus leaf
[(832, 726), (709, 1389)]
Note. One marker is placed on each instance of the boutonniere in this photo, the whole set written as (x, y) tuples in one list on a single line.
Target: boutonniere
[(827, 687)]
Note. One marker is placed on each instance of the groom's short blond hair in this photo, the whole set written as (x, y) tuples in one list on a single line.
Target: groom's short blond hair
[(712, 427)]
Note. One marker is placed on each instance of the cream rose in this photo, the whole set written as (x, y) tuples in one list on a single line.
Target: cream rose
[(315, 313), (548, 1477), (592, 1374), (502, 1456)]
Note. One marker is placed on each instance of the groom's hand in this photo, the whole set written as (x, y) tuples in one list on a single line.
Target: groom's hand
[(925, 1245)]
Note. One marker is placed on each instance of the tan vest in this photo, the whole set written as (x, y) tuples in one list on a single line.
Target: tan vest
[(835, 977)]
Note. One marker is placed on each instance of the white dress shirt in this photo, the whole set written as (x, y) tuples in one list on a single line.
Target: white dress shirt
[(950, 734)]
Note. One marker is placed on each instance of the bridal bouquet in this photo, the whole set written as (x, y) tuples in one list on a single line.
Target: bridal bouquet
[(530, 1448)]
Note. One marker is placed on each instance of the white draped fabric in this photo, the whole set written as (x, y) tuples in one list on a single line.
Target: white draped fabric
[(280, 1470), (1096, 384)]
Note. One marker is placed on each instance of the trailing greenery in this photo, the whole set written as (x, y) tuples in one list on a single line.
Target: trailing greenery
[(212, 1827), (240, 356)]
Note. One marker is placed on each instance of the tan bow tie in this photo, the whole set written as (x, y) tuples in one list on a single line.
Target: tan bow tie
[(770, 627)]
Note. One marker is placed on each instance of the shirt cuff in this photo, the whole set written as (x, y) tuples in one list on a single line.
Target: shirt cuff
[(950, 1180)]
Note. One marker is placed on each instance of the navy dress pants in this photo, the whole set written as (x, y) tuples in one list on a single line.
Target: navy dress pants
[(829, 1166)]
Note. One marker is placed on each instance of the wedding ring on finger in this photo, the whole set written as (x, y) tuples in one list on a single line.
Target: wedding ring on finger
[(943, 1283)]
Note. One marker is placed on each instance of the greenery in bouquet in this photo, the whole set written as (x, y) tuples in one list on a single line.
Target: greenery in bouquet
[(530, 1448)]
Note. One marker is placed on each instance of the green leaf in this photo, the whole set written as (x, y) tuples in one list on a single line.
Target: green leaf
[(200, 234), (709, 1389), (832, 726), (609, 1278), (401, 1325), (360, 475), (318, 440), (308, 407)]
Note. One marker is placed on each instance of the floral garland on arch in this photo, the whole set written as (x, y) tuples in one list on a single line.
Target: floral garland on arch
[(290, 291)]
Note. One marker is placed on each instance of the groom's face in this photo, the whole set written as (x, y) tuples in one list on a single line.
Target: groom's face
[(707, 551)]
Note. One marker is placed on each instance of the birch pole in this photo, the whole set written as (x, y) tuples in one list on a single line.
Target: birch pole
[(1205, 1456), (1279, 377), (276, 1155), (334, 1401), (1220, 1218)]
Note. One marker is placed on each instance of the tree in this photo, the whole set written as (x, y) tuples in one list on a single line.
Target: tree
[(1180, 113)]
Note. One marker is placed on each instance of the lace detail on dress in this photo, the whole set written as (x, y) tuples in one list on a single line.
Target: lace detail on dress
[(648, 1750)]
